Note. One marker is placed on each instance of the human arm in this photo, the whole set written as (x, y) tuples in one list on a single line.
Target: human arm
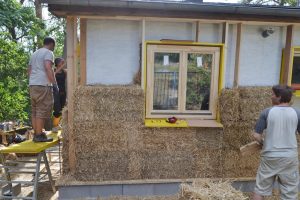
[(49, 71), (260, 126), (258, 137)]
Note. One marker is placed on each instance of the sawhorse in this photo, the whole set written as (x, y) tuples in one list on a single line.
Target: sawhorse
[(27, 147)]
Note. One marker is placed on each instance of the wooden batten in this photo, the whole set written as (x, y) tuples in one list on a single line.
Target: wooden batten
[(237, 55), (286, 78), (143, 70), (225, 28), (71, 67), (197, 32), (83, 51)]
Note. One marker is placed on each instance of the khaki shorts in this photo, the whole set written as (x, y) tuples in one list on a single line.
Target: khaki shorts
[(41, 101), (285, 170)]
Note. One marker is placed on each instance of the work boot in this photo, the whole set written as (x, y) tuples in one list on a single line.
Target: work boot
[(42, 137)]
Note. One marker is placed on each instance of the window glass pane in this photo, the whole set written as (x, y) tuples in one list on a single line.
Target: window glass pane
[(296, 70), (166, 73), (198, 81)]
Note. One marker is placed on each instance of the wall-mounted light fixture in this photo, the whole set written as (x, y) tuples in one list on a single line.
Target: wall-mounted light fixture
[(267, 31)]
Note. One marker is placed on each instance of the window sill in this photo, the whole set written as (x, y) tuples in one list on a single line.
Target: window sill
[(159, 123)]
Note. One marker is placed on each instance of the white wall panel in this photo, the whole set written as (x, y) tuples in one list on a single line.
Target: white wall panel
[(112, 51)]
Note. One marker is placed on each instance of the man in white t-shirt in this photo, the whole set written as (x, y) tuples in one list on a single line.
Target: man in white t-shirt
[(279, 155), (41, 85)]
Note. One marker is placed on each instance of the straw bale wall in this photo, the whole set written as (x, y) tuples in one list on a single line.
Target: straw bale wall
[(112, 143), (239, 110)]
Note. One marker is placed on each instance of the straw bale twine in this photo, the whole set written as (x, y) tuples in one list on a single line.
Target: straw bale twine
[(210, 190)]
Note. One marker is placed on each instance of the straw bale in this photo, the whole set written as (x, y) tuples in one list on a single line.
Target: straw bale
[(102, 166), (163, 165), (229, 106), (252, 101), (208, 163), (109, 103), (170, 139), (209, 138), (235, 165), (210, 190), (236, 136)]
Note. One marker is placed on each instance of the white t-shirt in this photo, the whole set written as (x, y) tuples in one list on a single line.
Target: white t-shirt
[(281, 124), (38, 75)]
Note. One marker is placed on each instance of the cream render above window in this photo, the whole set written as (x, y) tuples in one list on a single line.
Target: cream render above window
[(182, 81)]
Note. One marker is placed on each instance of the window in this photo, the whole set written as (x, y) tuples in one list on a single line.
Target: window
[(296, 71), (182, 81)]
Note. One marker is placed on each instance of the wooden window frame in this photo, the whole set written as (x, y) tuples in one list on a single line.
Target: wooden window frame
[(183, 50), (296, 53)]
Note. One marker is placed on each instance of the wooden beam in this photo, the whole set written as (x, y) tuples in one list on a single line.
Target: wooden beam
[(71, 21), (83, 51), (225, 29), (63, 10), (286, 78), (197, 31), (188, 20), (143, 70), (237, 55)]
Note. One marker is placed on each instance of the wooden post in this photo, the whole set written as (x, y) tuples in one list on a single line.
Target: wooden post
[(143, 71), (225, 28), (286, 78), (237, 55), (197, 31), (82, 51), (71, 67)]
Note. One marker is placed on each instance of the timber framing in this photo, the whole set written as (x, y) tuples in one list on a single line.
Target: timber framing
[(67, 10)]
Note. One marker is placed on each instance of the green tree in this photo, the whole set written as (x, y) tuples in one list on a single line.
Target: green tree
[(21, 32), (271, 2), (14, 102)]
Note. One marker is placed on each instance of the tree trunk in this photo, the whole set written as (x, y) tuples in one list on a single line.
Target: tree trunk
[(38, 9), (38, 14)]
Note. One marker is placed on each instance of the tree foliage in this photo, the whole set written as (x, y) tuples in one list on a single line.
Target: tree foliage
[(21, 33), (271, 2), (14, 102)]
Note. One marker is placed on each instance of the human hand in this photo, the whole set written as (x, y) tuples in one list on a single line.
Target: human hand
[(55, 88)]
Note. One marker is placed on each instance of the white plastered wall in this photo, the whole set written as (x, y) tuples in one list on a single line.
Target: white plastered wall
[(112, 51), (260, 58), (296, 38)]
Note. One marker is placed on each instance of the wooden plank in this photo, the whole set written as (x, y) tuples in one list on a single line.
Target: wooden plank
[(83, 51), (70, 82), (188, 20), (197, 31), (237, 55), (250, 148), (143, 64), (287, 68), (225, 29), (204, 123), (63, 10)]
